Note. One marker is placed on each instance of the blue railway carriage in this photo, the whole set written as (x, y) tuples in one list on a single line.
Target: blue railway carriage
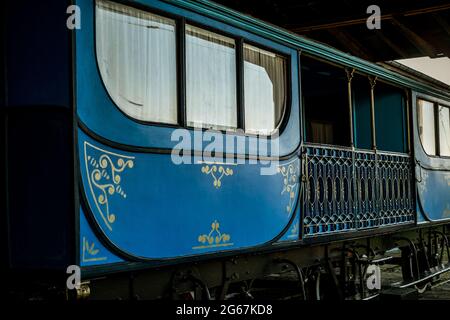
[(173, 147)]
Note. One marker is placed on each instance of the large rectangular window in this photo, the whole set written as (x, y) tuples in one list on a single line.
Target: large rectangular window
[(325, 100), (210, 79), (136, 53), (444, 131), (426, 125), (264, 88)]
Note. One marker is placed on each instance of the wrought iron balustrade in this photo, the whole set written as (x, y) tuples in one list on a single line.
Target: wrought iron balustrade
[(347, 190)]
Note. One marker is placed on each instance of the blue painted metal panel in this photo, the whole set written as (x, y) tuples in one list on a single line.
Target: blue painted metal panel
[(92, 251), (434, 194), (149, 207), (432, 176), (98, 112)]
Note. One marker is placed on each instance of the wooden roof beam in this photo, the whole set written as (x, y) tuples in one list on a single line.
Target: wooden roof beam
[(349, 42), (398, 50), (417, 41), (442, 22)]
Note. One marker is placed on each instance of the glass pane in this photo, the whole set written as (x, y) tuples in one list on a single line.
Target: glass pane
[(444, 131), (210, 79), (425, 119), (264, 88), (136, 53)]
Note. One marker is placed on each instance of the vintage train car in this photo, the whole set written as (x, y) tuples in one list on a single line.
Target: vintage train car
[(172, 147)]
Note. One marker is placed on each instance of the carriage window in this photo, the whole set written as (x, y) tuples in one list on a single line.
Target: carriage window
[(390, 118), (426, 124), (136, 53), (210, 79), (325, 100), (444, 131), (264, 89)]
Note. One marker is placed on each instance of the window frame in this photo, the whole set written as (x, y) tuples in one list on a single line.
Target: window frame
[(437, 143), (180, 46)]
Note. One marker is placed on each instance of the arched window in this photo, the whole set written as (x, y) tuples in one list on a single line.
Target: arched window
[(136, 53)]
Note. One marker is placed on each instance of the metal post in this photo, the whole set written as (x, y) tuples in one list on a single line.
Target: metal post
[(350, 104), (377, 202), (353, 182)]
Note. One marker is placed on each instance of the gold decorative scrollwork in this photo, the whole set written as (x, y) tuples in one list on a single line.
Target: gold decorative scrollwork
[(215, 238), (89, 252), (104, 177), (213, 169), (290, 173)]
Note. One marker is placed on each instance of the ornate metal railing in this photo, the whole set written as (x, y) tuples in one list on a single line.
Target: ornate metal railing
[(347, 190)]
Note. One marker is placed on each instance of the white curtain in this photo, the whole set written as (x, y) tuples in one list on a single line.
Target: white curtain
[(444, 131), (136, 52), (210, 79), (425, 117), (264, 89)]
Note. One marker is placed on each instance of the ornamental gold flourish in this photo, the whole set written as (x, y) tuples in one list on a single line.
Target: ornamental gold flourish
[(214, 238), (89, 252), (213, 169), (290, 181), (106, 178)]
